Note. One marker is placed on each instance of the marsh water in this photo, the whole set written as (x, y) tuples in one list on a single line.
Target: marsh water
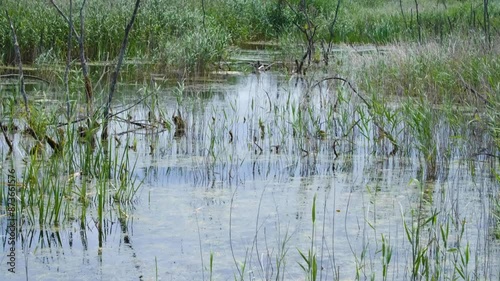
[(238, 188)]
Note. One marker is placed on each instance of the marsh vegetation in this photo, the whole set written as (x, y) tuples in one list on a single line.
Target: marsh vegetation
[(251, 140)]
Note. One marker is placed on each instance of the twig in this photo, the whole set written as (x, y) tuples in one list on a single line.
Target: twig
[(199, 242), (66, 19), (348, 83), (72, 122), (68, 60), (142, 125), (7, 140), (472, 90), (270, 103), (418, 23), (13, 75), (402, 13), (230, 233), (83, 62), (114, 75), (136, 103), (19, 63), (111, 115)]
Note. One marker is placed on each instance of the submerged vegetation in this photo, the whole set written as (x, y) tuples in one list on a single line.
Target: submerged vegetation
[(421, 100)]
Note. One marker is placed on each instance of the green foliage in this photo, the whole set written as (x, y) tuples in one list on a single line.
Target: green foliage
[(310, 267), (188, 35)]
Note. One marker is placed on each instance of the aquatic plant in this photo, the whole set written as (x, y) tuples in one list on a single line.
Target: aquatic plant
[(311, 264)]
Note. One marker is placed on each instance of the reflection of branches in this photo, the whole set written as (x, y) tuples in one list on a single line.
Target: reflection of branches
[(240, 273), (402, 13), (7, 140)]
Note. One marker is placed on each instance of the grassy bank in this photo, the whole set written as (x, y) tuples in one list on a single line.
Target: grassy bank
[(192, 34)]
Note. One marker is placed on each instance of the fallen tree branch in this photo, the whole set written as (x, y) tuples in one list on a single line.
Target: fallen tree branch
[(52, 143), (7, 140), (348, 84)]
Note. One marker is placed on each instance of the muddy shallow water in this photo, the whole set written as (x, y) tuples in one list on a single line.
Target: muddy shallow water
[(240, 186)]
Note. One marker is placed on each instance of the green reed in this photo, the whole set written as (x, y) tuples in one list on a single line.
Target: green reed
[(310, 267), (190, 37)]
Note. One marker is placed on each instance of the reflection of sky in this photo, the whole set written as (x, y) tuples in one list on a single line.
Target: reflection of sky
[(185, 198)]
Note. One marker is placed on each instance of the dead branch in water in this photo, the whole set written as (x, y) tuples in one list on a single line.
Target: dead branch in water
[(7, 140), (83, 62), (387, 134), (114, 75)]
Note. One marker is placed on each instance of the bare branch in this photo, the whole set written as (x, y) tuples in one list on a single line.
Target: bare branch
[(83, 61), (68, 59), (12, 75), (81, 40)]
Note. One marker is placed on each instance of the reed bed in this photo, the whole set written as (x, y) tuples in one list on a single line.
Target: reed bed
[(194, 35)]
